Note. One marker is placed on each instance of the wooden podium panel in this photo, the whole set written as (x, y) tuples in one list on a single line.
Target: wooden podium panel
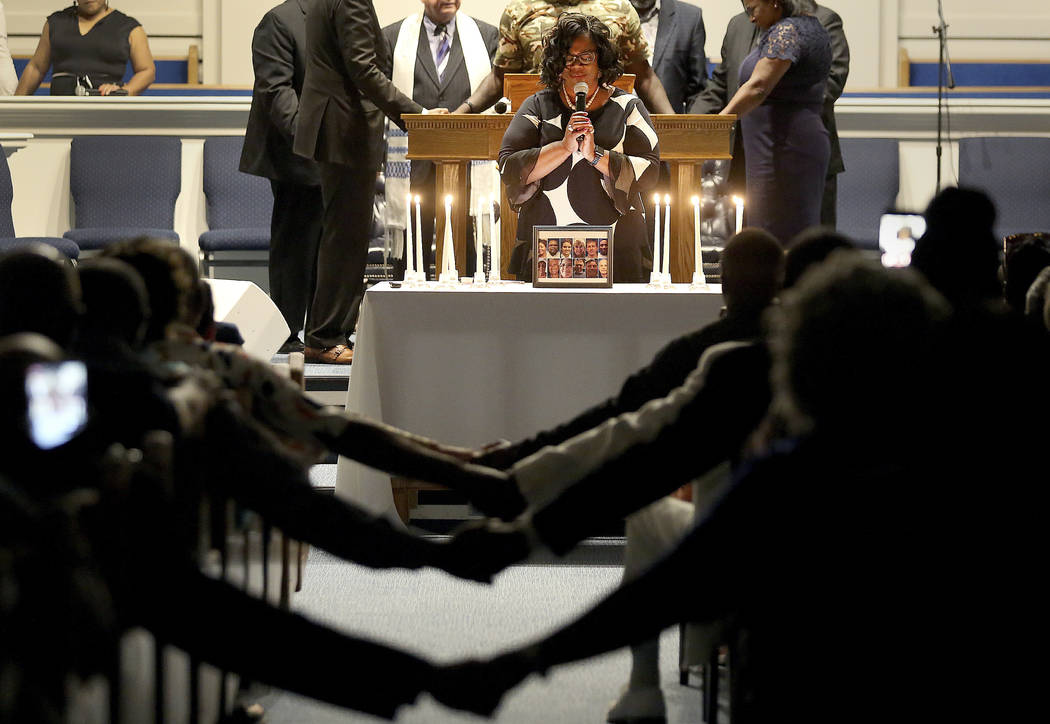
[(452, 141), (519, 86)]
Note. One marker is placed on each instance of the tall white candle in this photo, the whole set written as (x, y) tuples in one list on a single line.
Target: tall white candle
[(698, 257), (495, 242), (657, 239), (448, 254), (410, 247), (479, 247), (421, 273), (666, 256), (739, 201)]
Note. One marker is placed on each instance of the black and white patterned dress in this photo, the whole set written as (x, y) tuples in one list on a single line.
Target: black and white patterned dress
[(576, 192)]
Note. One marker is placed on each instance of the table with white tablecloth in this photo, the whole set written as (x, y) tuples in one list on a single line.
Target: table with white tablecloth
[(467, 365)]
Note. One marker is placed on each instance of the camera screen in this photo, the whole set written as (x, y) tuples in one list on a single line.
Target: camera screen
[(897, 235), (57, 402)]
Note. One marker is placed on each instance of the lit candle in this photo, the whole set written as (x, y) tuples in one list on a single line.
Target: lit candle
[(657, 240), (739, 201), (421, 273), (448, 253), (698, 257), (410, 263), (665, 257), (495, 242)]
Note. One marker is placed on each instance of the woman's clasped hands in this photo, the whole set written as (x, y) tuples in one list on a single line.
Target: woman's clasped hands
[(579, 135)]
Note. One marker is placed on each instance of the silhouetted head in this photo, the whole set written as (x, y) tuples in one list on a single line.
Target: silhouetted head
[(170, 276), (1037, 301), (854, 348), (116, 301), (1021, 266), (752, 271), (810, 248), (959, 254), (39, 292)]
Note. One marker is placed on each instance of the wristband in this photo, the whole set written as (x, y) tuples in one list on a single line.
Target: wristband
[(599, 154), (470, 106)]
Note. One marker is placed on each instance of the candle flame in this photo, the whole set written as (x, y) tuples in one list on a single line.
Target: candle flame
[(417, 199), (656, 199), (667, 199), (696, 200), (738, 200), (448, 200)]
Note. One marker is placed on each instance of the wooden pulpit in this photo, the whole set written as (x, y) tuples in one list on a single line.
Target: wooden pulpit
[(452, 141)]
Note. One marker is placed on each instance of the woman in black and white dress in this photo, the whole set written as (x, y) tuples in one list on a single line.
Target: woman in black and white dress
[(553, 178)]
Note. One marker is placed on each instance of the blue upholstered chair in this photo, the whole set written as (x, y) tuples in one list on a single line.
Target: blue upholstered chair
[(239, 207), (124, 187), (1013, 172), (868, 187), (8, 240)]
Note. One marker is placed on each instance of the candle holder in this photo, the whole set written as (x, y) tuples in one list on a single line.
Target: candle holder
[(657, 280), (699, 282)]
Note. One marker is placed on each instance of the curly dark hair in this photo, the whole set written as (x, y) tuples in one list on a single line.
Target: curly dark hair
[(559, 39)]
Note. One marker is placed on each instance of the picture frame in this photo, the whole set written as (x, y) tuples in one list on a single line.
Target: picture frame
[(588, 249)]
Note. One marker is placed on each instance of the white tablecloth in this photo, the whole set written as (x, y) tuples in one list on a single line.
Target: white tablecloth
[(467, 366)]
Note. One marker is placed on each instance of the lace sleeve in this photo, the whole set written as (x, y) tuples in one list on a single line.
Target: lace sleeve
[(783, 42)]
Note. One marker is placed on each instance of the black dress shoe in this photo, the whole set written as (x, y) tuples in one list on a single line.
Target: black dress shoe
[(292, 345)]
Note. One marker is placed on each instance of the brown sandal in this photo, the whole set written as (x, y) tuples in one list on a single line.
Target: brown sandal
[(340, 354)]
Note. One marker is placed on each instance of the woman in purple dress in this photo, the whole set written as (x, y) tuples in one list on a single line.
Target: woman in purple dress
[(779, 101)]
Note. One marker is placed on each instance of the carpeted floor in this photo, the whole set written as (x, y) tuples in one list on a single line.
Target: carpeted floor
[(445, 619)]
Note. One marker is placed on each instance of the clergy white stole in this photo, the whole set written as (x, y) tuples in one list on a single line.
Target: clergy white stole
[(484, 178)]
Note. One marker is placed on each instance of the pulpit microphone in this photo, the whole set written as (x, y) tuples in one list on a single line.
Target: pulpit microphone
[(502, 105), (580, 89)]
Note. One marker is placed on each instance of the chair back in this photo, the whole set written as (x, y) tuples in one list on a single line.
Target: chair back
[(125, 181), (7, 195), (235, 200), (868, 187), (1015, 173)]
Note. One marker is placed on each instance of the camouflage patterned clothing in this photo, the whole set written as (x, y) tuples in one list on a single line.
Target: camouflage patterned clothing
[(525, 22)]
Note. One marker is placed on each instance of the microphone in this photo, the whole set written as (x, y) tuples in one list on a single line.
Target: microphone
[(580, 89), (502, 105)]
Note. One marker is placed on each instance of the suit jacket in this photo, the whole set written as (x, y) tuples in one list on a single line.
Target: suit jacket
[(279, 59), (724, 82), (678, 59), (347, 89), (427, 91)]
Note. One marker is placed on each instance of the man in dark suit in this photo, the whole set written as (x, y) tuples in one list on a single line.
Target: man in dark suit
[(677, 46), (346, 93), (279, 59), (740, 38), (437, 82)]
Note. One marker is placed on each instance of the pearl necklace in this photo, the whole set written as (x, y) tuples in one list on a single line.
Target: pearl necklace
[(571, 104)]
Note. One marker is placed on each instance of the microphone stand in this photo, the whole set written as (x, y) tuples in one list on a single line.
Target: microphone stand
[(944, 69)]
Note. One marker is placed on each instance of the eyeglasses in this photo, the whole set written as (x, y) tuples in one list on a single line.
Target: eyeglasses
[(585, 58)]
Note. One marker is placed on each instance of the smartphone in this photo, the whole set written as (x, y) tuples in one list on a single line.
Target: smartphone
[(57, 409), (897, 234)]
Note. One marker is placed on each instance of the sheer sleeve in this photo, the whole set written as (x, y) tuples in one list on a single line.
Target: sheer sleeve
[(783, 42), (517, 156), (634, 164)]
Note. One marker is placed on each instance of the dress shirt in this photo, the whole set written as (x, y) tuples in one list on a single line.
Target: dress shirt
[(650, 27)]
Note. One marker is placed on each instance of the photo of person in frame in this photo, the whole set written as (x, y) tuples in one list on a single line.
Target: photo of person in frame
[(553, 268), (541, 249), (603, 247), (592, 248), (541, 269), (577, 249), (578, 269), (566, 248), (591, 269), (566, 269), (553, 245), (603, 268)]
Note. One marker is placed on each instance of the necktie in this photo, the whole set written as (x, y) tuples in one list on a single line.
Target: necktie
[(442, 53)]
